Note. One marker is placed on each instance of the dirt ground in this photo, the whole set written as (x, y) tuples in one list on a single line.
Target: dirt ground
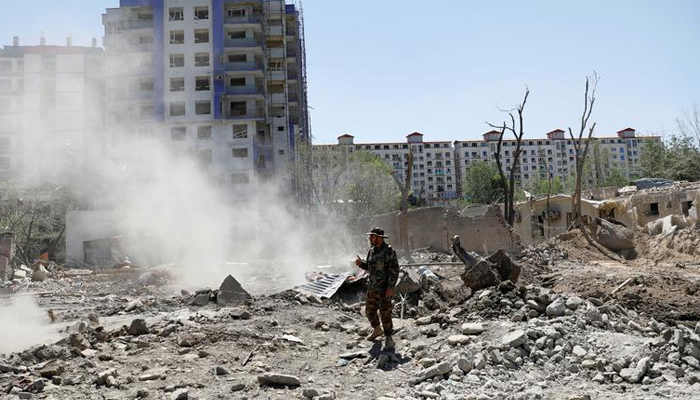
[(562, 332)]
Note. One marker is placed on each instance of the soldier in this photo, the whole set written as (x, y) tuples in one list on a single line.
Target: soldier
[(383, 267)]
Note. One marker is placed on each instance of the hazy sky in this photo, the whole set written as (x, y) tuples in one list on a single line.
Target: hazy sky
[(382, 69)]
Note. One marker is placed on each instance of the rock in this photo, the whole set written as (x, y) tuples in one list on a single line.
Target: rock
[(517, 317), (201, 300), (431, 372), (354, 354), (574, 302), (588, 364), (599, 378), (472, 328), (455, 340), (219, 371), (190, 339), (479, 361), (693, 350), (507, 269), (465, 365), (151, 376), (556, 308), (427, 362), (20, 274), (40, 275), (634, 375), (278, 379), (615, 237), (231, 293), (677, 339), (53, 368), (427, 320), (78, 341), (514, 339), (579, 351), (480, 275), (102, 376), (310, 393), (111, 381), (237, 387), (180, 394), (138, 327), (239, 313)]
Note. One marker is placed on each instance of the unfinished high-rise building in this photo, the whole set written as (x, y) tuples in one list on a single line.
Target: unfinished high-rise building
[(223, 80), (50, 108)]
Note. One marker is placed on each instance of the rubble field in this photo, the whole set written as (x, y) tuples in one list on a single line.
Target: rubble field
[(576, 325)]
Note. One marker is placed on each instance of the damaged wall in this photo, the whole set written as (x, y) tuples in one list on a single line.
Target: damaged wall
[(535, 225), (484, 231), (651, 206), (85, 226)]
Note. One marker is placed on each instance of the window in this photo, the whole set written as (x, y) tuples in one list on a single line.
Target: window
[(177, 60), (202, 107), (5, 66), (654, 209), (280, 152), (177, 109), (176, 13), (236, 12), (237, 82), (178, 133), (238, 108), (201, 59), (201, 35), (146, 86), (236, 34), (177, 84), (145, 39), (201, 13), (239, 179), (239, 152), (237, 58), (204, 132), (177, 37), (202, 83), (240, 131)]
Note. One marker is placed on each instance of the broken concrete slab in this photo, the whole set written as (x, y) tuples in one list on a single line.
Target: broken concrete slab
[(507, 269), (278, 379), (614, 236), (231, 293)]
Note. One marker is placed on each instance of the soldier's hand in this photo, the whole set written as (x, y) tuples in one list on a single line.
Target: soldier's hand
[(358, 261), (390, 292)]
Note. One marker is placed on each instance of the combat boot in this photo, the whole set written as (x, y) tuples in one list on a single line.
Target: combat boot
[(376, 333), (389, 343)]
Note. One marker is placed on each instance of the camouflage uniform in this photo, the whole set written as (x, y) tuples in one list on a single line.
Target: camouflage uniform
[(383, 267)]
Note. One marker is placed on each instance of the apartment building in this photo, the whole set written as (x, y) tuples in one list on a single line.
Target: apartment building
[(439, 167), (50, 102), (223, 80), (556, 152), (434, 168)]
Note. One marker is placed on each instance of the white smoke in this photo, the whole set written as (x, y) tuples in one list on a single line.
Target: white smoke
[(24, 324)]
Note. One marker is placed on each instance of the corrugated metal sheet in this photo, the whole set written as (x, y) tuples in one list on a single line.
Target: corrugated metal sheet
[(324, 287)]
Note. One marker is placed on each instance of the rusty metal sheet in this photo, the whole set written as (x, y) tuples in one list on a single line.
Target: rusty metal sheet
[(324, 287)]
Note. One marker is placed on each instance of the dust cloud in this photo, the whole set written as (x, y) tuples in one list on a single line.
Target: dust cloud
[(24, 324)]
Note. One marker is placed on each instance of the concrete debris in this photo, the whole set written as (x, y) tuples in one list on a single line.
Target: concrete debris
[(613, 235), (482, 273), (231, 293), (278, 380)]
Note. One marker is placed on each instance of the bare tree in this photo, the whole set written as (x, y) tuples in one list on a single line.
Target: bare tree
[(690, 124), (405, 188), (516, 128), (582, 144)]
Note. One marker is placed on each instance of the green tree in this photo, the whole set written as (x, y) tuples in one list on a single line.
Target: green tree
[(652, 161), (482, 183), (615, 177)]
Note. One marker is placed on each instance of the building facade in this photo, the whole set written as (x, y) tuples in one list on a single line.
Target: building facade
[(556, 153), (50, 107), (439, 167), (223, 80)]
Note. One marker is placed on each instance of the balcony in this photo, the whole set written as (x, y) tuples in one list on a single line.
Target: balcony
[(252, 19), (276, 98), (246, 66), (134, 25), (243, 43), (276, 52), (244, 90), (245, 114)]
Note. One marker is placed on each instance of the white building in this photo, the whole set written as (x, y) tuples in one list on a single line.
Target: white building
[(434, 169), (50, 108), (556, 151), (223, 79)]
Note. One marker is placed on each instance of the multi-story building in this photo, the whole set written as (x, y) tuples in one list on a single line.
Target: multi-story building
[(223, 79), (439, 167), (50, 99), (556, 152), (434, 169)]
